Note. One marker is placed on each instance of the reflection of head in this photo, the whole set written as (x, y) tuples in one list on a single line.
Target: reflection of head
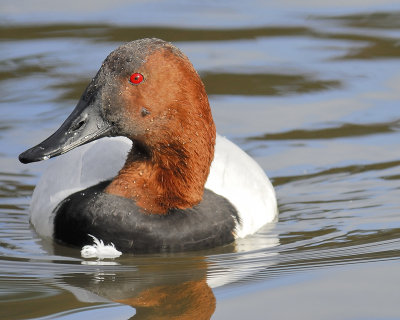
[(187, 300), (180, 292), (168, 287)]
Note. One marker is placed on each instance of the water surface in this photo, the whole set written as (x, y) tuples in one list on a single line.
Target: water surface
[(309, 89)]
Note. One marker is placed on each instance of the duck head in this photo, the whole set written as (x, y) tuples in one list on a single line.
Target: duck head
[(148, 91)]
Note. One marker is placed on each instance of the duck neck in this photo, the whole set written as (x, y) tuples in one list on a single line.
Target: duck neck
[(169, 175)]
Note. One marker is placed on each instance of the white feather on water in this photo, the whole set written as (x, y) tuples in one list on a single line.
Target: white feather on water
[(99, 250)]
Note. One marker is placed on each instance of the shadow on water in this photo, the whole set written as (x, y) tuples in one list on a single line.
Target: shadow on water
[(21, 67), (123, 34), (374, 47), (342, 130), (375, 20)]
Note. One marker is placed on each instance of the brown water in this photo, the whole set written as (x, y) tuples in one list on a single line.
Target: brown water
[(310, 90)]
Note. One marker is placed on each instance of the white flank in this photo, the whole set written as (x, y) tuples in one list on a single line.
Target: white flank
[(238, 177), (99, 250), (74, 171)]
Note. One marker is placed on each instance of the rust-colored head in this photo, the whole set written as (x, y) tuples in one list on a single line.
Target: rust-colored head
[(146, 90), (168, 117), (170, 98)]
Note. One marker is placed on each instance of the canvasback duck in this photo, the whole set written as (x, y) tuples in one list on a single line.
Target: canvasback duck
[(167, 182)]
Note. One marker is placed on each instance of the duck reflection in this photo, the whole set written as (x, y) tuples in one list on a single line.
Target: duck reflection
[(158, 287), (174, 290), (169, 286), (186, 300)]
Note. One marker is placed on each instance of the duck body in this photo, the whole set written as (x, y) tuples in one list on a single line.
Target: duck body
[(208, 224), (160, 179)]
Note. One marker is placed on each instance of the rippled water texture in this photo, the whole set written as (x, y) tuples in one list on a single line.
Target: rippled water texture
[(310, 90)]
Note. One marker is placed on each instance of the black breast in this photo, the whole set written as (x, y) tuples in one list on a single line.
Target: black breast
[(118, 220)]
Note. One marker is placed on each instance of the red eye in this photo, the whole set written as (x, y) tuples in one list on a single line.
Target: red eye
[(136, 78)]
